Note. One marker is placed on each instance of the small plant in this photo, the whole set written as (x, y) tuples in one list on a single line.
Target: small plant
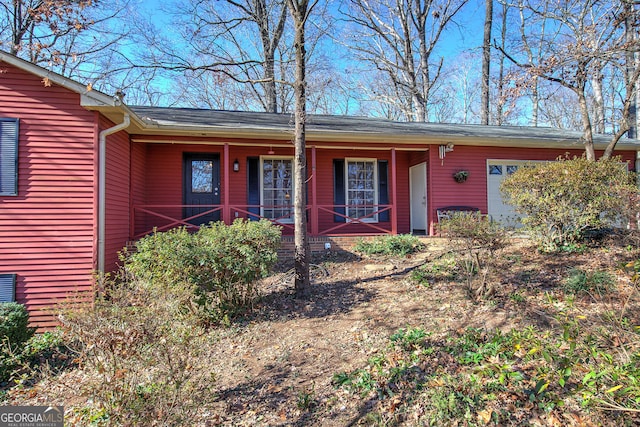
[(517, 297), (580, 281), (397, 245), (461, 176), (306, 399), (410, 338), (443, 269)]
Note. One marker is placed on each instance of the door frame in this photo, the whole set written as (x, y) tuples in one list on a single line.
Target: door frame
[(187, 157), (414, 199)]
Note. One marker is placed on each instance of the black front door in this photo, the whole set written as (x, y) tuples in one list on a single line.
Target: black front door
[(201, 186)]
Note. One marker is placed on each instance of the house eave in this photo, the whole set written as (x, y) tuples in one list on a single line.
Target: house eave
[(144, 131)]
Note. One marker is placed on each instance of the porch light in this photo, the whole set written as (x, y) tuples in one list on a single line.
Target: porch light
[(236, 165)]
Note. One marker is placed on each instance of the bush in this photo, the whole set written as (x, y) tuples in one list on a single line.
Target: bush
[(144, 353), (397, 245), (14, 324), (563, 200), (220, 264), (478, 239), (14, 333)]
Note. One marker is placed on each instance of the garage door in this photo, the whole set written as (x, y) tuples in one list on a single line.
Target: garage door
[(497, 171)]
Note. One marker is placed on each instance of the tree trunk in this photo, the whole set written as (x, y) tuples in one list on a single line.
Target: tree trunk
[(631, 59), (502, 98), (270, 94), (486, 61), (598, 101), (587, 130), (302, 251)]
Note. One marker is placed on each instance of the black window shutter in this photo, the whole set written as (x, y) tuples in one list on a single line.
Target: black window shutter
[(338, 189), (7, 287), (383, 188), (253, 186), (8, 157)]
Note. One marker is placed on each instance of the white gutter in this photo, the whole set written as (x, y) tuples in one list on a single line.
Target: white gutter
[(102, 184)]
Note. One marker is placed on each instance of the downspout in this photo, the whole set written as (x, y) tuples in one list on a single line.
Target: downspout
[(102, 185)]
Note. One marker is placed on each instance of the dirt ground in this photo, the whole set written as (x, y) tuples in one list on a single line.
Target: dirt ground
[(275, 366), (290, 350)]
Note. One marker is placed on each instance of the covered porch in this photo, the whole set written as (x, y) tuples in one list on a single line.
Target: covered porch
[(356, 190)]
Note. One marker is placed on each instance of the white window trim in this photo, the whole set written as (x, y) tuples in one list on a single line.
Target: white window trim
[(347, 160), (262, 159)]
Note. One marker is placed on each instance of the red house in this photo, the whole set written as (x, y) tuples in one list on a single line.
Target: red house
[(82, 174)]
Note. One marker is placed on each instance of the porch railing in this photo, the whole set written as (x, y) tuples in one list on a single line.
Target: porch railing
[(147, 218)]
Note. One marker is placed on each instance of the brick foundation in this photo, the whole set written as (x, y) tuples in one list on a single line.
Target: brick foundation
[(318, 244)]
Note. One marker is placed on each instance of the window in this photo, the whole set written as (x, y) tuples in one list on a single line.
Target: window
[(201, 176), (511, 169), (7, 287), (361, 189), (277, 188), (495, 169), (8, 157)]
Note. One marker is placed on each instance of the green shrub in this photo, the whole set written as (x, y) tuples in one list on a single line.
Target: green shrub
[(396, 245), (220, 263), (14, 324), (565, 199), (14, 333)]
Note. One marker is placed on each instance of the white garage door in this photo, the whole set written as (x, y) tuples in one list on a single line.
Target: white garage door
[(498, 170)]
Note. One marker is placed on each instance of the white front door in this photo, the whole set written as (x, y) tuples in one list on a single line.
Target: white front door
[(418, 190)]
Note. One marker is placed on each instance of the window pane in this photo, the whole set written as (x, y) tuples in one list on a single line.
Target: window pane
[(511, 169), (201, 176), (361, 189), (495, 169), (277, 188)]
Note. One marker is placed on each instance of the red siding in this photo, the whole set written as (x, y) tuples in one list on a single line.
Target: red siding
[(444, 191), (138, 184), (47, 230), (117, 195)]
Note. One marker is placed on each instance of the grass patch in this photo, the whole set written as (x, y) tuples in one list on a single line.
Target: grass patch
[(584, 282), (444, 269), (398, 245)]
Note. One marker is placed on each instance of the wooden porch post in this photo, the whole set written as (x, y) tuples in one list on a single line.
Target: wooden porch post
[(394, 192), (314, 198), (226, 211)]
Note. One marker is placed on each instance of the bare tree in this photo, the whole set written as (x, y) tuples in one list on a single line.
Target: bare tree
[(398, 38), (76, 38), (588, 37), (300, 11), (632, 62), (222, 34), (486, 62)]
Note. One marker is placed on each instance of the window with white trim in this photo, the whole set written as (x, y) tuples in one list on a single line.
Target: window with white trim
[(361, 189), (8, 157), (277, 188)]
